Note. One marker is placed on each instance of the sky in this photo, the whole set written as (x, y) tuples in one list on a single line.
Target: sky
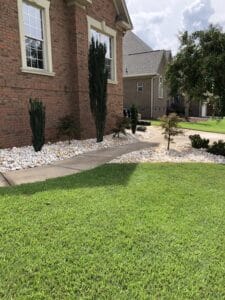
[(158, 22)]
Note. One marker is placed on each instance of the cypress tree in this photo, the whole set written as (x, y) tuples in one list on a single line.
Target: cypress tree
[(133, 118), (37, 124), (98, 77)]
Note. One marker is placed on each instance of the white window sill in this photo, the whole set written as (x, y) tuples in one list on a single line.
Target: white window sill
[(112, 81), (37, 72)]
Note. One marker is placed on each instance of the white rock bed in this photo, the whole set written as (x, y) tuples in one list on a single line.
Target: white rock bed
[(25, 157), (160, 154), (181, 150)]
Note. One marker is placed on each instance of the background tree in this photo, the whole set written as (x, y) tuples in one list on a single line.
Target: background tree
[(197, 69), (98, 77), (170, 126)]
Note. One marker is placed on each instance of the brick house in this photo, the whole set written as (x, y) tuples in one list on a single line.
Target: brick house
[(143, 77), (44, 54)]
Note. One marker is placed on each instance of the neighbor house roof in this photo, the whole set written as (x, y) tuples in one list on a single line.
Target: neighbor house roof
[(139, 59), (133, 44)]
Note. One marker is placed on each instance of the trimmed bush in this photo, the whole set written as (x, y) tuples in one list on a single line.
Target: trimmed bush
[(141, 128), (144, 123), (37, 123), (218, 148), (199, 143), (133, 118), (67, 127)]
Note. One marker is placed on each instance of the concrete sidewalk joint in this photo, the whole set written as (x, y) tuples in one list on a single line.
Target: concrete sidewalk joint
[(70, 166)]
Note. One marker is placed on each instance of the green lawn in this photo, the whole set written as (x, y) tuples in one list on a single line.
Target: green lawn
[(148, 231), (209, 126)]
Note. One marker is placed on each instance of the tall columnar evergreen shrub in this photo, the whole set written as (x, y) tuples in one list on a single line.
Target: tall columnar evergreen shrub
[(133, 118), (37, 123), (98, 77)]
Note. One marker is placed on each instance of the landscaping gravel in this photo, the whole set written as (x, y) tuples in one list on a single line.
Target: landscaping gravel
[(26, 157), (181, 150), (177, 156)]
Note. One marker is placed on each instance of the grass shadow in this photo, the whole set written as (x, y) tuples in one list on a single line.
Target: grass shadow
[(106, 175)]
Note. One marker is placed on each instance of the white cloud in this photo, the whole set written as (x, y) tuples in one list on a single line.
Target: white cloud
[(159, 22), (197, 15)]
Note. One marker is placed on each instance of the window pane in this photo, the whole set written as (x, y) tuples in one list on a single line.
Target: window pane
[(107, 41), (32, 18), (95, 35), (34, 52), (109, 67)]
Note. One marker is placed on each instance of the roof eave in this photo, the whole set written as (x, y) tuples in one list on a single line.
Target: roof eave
[(141, 75), (122, 11)]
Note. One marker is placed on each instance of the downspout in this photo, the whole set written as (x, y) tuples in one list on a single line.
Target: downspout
[(152, 95)]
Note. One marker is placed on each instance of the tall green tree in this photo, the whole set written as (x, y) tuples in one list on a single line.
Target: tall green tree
[(98, 77), (197, 69)]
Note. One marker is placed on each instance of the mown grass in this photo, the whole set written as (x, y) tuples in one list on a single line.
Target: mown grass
[(208, 126), (149, 231)]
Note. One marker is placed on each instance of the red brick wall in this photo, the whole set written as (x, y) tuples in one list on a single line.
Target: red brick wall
[(63, 94)]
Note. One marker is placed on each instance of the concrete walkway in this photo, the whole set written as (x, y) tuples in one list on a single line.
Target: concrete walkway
[(71, 166)]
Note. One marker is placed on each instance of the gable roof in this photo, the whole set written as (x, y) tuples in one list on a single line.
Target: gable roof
[(139, 59), (133, 44)]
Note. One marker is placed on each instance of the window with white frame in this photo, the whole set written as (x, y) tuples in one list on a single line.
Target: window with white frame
[(35, 36), (140, 87), (108, 42), (160, 87), (105, 35)]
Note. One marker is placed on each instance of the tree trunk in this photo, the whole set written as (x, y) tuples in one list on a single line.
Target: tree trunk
[(168, 145)]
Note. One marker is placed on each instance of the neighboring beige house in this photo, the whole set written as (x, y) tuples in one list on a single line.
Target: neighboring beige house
[(143, 77)]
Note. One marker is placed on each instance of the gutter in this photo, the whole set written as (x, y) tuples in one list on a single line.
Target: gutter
[(141, 75)]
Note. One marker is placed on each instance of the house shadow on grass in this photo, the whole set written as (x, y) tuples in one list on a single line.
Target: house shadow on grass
[(106, 175)]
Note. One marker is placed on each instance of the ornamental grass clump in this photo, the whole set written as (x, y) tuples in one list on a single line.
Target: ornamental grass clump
[(67, 127), (37, 123), (122, 124)]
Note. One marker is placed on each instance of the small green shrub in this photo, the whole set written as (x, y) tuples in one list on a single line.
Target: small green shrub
[(144, 123), (141, 128), (37, 123), (218, 148), (122, 124), (67, 127), (133, 118), (198, 142)]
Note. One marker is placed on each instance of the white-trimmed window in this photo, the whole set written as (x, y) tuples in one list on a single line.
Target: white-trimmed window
[(35, 36), (107, 36), (140, 87), (160, 87)]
